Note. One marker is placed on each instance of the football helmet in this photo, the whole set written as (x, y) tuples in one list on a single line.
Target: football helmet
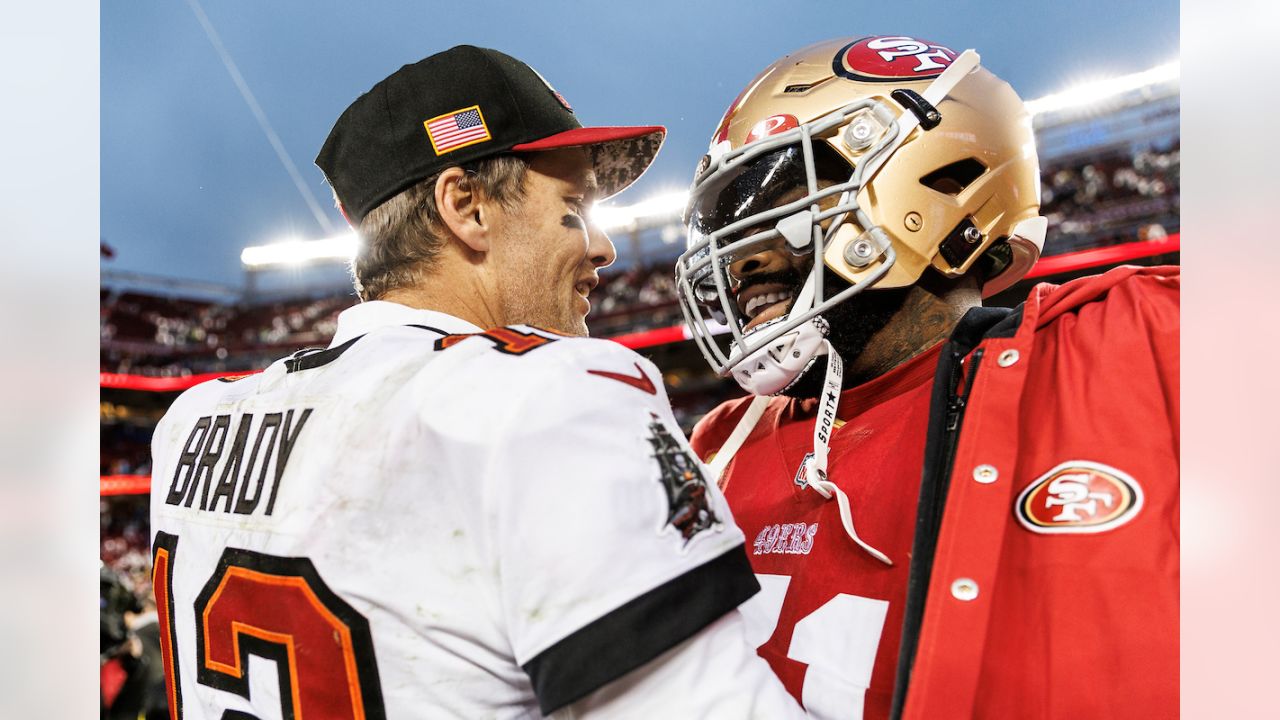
[(880, 156)]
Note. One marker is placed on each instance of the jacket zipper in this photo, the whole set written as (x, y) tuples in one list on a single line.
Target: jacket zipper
[(929, 522), (955, 408)]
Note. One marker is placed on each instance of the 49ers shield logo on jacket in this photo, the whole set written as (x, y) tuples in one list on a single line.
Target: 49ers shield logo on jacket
[(1079, 496)]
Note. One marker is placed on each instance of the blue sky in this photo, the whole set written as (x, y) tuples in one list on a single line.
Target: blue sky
[(189, 178)]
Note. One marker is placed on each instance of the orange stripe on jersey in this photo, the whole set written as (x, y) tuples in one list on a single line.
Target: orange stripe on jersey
[(504, 339)]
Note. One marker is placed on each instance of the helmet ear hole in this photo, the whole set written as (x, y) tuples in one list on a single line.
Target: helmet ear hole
[(952, 179), (994, 261)]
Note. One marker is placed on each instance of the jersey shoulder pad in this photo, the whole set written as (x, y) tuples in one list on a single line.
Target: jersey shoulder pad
[(597, 366)]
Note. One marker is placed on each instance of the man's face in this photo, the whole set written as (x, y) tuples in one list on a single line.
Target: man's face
[(763, 278), (768, 279), (547, 253)]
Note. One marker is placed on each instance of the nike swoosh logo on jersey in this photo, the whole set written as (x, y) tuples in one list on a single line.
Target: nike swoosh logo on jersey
[(640, 383)]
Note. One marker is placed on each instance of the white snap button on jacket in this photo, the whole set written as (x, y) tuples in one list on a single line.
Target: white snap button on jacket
[(964, 589), (986, 474)]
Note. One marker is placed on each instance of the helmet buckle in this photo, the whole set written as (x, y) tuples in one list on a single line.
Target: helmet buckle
[(923, 109)]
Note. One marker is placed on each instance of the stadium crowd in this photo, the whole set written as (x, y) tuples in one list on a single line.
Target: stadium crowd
[(1104, 199), (130, 664), (1113, 198)]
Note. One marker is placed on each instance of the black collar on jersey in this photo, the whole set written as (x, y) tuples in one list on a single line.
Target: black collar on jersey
[(310, 358)]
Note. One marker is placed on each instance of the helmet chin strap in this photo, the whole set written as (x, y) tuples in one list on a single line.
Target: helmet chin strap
[(816, 464)]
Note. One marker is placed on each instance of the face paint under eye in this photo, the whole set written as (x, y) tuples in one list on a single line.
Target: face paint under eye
[(573, 222)]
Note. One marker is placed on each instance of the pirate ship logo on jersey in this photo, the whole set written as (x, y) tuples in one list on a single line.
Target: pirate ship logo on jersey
[(687, 508)]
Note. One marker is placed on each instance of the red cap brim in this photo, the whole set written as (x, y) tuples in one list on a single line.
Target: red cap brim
[(589, 136), (620, 154)]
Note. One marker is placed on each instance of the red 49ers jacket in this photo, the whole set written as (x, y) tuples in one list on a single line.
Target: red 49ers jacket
[(1044, 577)]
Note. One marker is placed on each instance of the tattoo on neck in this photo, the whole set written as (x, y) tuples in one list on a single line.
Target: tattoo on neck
[(924, 321)]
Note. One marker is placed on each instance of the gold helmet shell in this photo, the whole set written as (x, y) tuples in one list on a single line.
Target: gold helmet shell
[(909, 156), (978, 164)]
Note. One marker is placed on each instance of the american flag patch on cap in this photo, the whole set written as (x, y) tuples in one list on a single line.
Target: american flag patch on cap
[(459, 128)]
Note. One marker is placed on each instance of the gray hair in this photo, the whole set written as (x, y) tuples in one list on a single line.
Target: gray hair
[(401, 238)]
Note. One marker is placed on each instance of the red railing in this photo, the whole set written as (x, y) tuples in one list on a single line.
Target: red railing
[(1097, 257), (147, 383), (1051, 265), (124, 485)]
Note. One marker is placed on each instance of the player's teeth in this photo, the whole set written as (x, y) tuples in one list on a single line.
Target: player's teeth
[(755, 304)]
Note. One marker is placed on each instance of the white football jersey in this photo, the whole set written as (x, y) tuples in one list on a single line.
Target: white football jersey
[(430, 520)]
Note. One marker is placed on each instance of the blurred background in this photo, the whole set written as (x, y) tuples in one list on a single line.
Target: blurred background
[(220, 249)]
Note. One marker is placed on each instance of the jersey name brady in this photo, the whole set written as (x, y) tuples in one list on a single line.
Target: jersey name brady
[(205, 456), (394, 524)]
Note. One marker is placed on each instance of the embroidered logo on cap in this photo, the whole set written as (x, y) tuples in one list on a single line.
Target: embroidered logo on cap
[(1079, 496), (559, 97), (457, 129)]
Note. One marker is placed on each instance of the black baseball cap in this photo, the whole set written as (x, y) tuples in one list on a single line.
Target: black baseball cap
[(461, 105)]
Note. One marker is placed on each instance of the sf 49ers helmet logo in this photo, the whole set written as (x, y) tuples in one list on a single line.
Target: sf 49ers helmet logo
[(891, 59), (1079, 496)]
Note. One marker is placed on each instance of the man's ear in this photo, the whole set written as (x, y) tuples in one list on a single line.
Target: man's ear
[(464, 210)]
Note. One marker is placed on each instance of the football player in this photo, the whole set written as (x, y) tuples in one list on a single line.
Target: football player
[(954, 510), (461, 508)]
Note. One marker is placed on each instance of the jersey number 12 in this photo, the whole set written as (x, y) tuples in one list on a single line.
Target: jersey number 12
[(279, 609)]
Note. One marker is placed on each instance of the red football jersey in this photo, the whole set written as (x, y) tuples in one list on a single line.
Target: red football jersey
[(829, 615), (1052, 590)]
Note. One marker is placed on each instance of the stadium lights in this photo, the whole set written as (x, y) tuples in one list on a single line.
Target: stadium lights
[(626, 217), (300, 252), (1096, 91), (668, 206)]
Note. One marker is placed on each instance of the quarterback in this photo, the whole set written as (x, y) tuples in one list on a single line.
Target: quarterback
[(461, 508), (953, 510)]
